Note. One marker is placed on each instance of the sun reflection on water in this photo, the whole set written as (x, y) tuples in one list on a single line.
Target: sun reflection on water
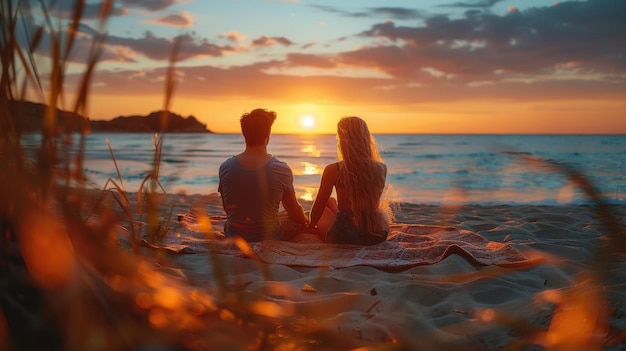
[(311, 151), (309, 194), (309, 168)]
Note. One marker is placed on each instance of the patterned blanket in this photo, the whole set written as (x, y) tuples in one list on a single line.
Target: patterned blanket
[(408, 245)]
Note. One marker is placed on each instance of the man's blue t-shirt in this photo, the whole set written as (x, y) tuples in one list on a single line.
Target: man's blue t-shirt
[(252, 198)]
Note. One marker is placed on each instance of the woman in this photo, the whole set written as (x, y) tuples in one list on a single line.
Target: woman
[(359, 216)]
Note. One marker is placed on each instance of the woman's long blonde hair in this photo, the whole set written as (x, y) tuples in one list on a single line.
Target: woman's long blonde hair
[(363, 177)]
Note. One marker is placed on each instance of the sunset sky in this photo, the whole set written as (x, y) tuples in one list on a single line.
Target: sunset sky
[(405, 66)]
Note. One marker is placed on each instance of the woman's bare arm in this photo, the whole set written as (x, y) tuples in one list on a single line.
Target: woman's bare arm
[(329, 178)]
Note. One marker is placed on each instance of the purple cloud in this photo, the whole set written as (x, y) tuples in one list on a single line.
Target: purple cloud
[(183, 19), (271, 41), (590, 36), (152, 5), (398, 13), (478, 4), (310, 61), (159, 49)]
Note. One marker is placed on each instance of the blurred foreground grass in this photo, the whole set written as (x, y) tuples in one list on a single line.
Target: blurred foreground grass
[(66, 283)]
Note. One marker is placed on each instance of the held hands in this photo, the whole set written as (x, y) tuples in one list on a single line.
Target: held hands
[(312, 229)]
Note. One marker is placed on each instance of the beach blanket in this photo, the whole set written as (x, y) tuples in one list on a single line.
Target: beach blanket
[(407, 245)]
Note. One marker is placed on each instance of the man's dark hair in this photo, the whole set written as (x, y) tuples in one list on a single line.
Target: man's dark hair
[(256, 126)]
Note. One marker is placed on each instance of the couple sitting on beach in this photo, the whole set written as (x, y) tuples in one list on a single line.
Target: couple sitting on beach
[(254, 183)]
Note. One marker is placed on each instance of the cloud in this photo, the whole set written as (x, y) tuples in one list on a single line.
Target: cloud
[(124, 49), (590, 35), (83, 44), (233, 36), (152, 5), (308, 45), (271, 41), (159, 49), (478, 4), (316, 61), (65, 9), (183, 19), (252, 81), (398, 13)]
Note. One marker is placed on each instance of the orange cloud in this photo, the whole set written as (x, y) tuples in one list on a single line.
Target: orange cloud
[(234, 36)]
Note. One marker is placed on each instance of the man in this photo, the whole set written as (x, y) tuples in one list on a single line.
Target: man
[(254, 183)]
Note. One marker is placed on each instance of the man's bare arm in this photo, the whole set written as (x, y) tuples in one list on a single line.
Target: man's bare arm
[(293, 208)]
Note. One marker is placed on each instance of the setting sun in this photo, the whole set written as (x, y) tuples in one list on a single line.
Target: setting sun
[(307, 121)]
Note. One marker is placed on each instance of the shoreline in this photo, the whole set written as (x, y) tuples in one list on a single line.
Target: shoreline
[(514, 223), (406, 212)]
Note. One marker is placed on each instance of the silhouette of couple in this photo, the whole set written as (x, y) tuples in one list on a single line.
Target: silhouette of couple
[(253, 185)]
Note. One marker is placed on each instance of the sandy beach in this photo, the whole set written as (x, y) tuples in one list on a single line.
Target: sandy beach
[(570, 295)]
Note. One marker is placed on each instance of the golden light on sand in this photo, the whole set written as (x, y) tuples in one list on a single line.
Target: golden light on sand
[(266, 308), (117, 282), (44, 234), (143, 300), (203, 299), (168, 297), (157, 318), (578, 321), (227, 315), (204, 224), (154, 279), (487, 315)]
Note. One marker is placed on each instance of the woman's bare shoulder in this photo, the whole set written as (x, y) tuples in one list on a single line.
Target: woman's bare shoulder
[(331, 166), (330, 174)]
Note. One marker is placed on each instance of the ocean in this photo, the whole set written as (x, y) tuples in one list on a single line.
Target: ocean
[(422, 169)]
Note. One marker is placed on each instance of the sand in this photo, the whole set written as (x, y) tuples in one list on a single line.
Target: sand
[(572, 296)]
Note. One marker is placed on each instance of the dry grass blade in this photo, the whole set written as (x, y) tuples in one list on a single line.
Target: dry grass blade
[(117, 169), (46, 13), (34, 44), (581, 318), (151, 180), (70, 38), (156, 160), (30, 67), (170, 84), (123, 202), (121, 199), (9, 45), (80, 105), (106, 9), (165, 228), (95, 52), (612, 227)]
